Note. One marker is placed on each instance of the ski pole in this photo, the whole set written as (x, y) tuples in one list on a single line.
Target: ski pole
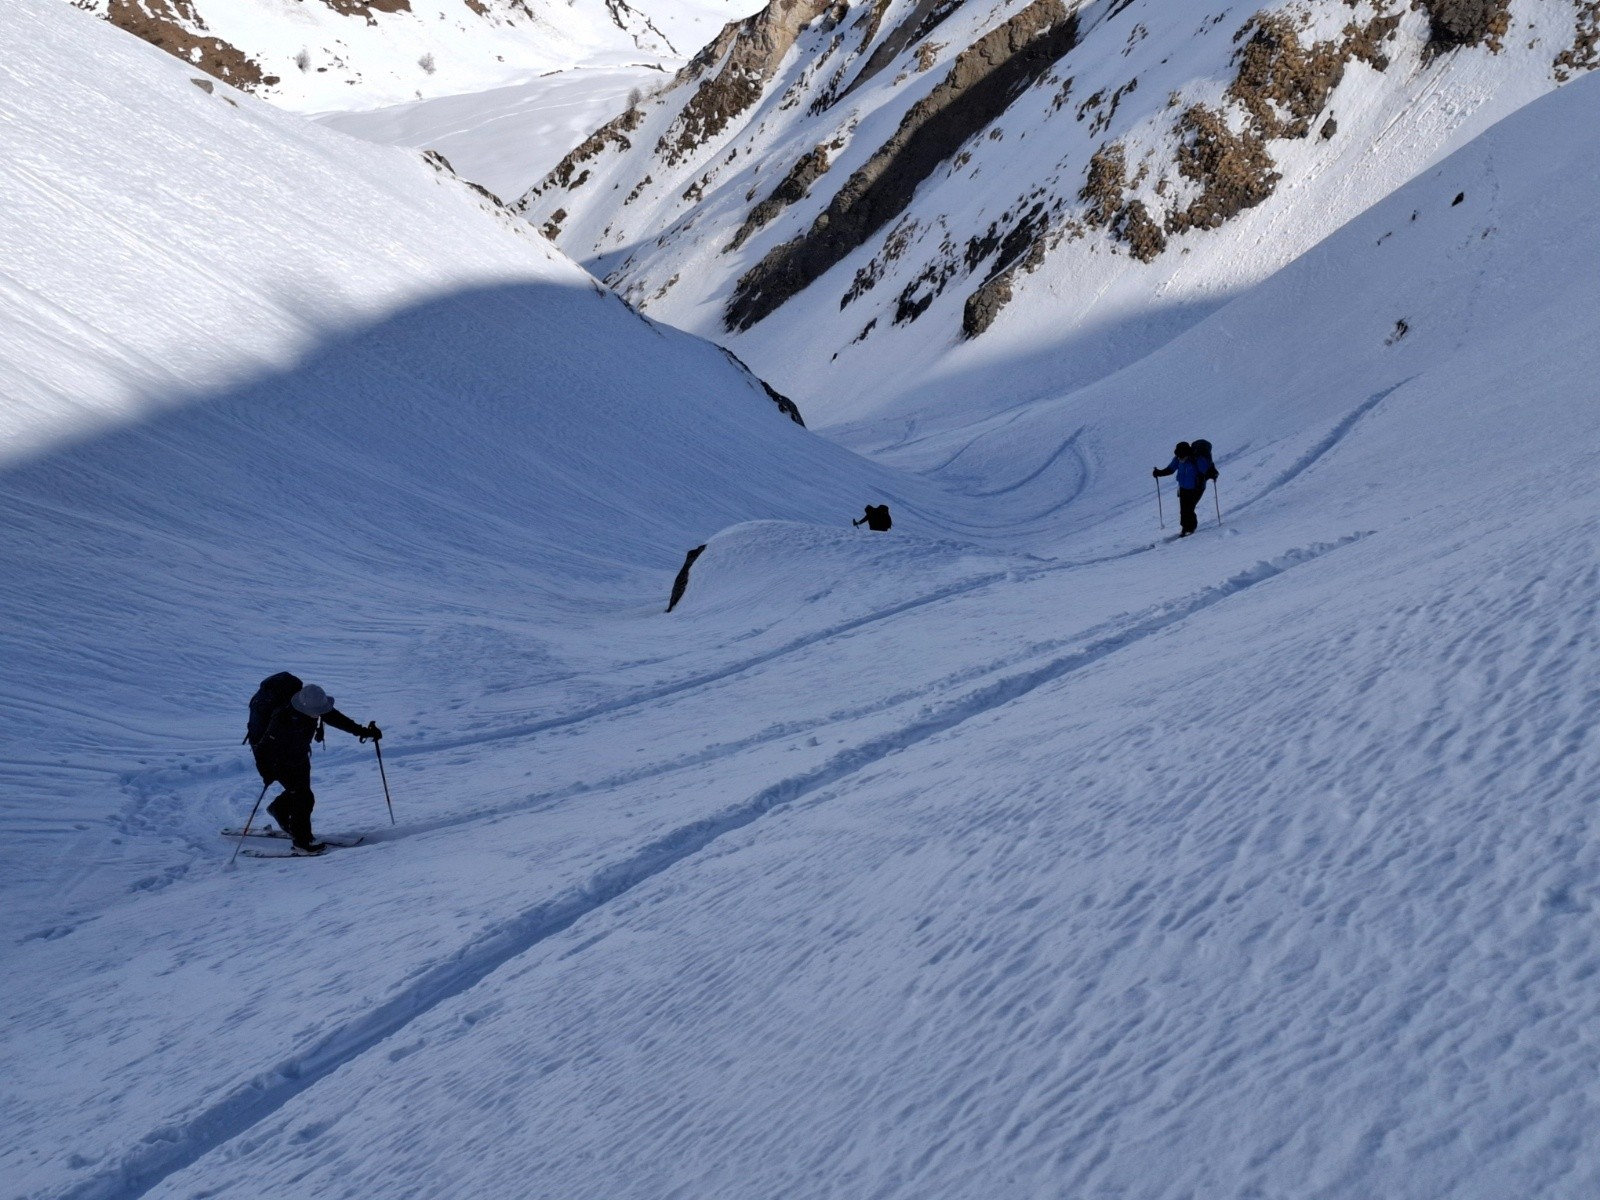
[(1162, 516), (247, 824), (1216, 496), (381, 775)]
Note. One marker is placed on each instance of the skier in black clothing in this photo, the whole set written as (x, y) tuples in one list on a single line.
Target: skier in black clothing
[(875, 518), (283, 755)]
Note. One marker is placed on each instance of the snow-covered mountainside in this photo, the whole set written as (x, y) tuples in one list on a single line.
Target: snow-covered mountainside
[(239, 353), (316, 55), (1017, 852), (849, 193)]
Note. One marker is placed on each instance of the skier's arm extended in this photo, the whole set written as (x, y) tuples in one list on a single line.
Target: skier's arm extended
[(339, 721)]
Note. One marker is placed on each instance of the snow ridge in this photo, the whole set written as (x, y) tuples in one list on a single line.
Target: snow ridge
[(168, 1150)]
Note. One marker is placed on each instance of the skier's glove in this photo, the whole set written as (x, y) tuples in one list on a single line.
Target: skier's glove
[(373, 732), (1155, 472)]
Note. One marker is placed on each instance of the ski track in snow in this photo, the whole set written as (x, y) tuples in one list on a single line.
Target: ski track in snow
[(167, 1150), (1323, 446), (629, 701), (1069, 446), (1107, 887), (145, 785), (156, 788)]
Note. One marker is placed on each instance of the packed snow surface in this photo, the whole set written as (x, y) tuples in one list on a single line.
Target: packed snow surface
[(1017, 852)]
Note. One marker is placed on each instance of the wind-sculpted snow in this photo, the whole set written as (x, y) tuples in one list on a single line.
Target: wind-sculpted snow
[(166, 1151), (1163, 967), (1020, 851)]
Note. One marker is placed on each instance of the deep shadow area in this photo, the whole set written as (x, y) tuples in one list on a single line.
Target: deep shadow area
[(457, 482)]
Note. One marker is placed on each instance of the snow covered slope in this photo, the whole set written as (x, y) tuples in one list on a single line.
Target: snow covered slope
[(267, 391), (847, 193), (1013, 853), (1257, 865), (315, 55), (506, 138)]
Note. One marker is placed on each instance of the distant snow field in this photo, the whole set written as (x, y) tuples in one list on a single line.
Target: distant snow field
[(506, 138), (1018, 852)]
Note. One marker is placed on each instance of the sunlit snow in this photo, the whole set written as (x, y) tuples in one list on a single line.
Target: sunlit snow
[(1016, 852)]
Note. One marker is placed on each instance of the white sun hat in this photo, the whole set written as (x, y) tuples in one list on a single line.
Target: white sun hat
[(312, 701)]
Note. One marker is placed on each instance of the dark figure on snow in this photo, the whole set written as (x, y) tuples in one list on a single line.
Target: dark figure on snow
[(876, 518), (285, 718), (1192, 471)]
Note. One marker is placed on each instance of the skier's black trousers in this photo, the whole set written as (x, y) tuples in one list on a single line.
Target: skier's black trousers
[(283, 755), (1187, 499), (293, 807)]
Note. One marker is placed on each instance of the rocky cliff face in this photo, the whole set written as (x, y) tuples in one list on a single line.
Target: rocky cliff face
[(179, 29), (893, 177)]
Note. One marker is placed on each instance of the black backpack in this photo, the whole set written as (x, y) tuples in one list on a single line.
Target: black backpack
[(877, 517), (274, 693), (1202, 449)]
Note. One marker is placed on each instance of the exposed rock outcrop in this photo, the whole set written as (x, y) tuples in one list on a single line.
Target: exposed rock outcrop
[(1021, 252), (176, 27), (1232, 167), (794, 186), (1453, 23), (367, 8), (983, 81), (568, 173), (744, 146), (1282, 82), (922, 20), (984, 305), (749, 52), (1281, 86), (314, 52), (1584, 53), (681, 583), (785, 405)]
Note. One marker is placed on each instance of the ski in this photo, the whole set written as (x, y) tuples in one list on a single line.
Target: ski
[(252, 852), (279, 835)]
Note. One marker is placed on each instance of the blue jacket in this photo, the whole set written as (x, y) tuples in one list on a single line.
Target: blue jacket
[(1191, 474)]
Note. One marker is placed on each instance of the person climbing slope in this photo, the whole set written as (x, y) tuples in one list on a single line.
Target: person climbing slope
[(285, 717), (1191, 484), (876, 517)]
